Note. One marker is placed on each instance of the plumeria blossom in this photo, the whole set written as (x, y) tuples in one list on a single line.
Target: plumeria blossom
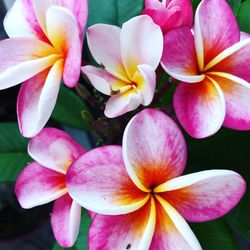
[(129, 56), (45, 45), (213, 65), (43, 181), (139, 194), (170, 14)]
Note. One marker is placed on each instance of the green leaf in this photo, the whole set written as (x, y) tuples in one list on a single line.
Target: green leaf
[(113, 11), (13, 152), (243, 16), (82, 240), (68, 109), (214, 235)]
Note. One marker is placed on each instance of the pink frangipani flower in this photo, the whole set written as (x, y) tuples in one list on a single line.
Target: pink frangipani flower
[(213, 65), (129, 56), (170, 14), (43, 181), (139, 194), (45, 45)]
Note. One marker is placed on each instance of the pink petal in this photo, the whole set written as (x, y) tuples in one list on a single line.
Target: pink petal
[(153, 4), (145, 78), (102, 80), (237, 103), (54, 149), (99, 182), (235, 60), (154, 149), (130, 231), (105, 47), (37, 99), (64, 33), (244, 35), (37, 185), (179, 56), (141, 43), (172, 231), (21, 21), (200, 107), (205, 195), (216, 29), (122, 103), (65, 221), (22, 58)]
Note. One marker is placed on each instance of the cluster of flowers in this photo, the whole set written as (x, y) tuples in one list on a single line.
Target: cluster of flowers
[(134, 193)]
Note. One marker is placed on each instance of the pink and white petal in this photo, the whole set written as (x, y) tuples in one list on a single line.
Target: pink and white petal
[(64, 33), (200, 107), (237, 102), (37, 185), (20, 21), (99, 182), (105, 46), (244, 35), (213, 36), (54, 149), (205, 195), (102, 80), (234, 60), (141, 43), (153, 4), (179, 56), (153, 154), (125, 102), (130, 231), (65, 221), (174, 20), (171, 231), (22, 58), (145, 78), (37, 98)]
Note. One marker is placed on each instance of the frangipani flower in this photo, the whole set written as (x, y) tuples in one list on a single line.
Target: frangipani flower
[(214, 67), (170, 14), (139, 193), (43, 181), (130, 56), (45, 45)]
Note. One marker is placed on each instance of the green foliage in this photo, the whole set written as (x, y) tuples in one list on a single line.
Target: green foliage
[(82, 240), (214, 235), (243, 16), (68, 109), (13, 152), (113, 11)]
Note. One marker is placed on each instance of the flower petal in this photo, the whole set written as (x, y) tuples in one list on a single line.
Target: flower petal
[(65, 221), (64, 33), (22, 58), (54, 149), (153, 4), (21, 21), (122, 103), (102, 80), (234, 60), (141, 43), (179, 57), (216, 29), (99, 182), (37, 99), (37, 185), (153, 154), (244, 35), (200, 107), (237, 101), (105, 47), (205, 195), (172, 231), (130, 231)]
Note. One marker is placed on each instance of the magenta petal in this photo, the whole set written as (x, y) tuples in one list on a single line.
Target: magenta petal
[(200, 107), (37, 185), (54, 149), (65, 221)]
